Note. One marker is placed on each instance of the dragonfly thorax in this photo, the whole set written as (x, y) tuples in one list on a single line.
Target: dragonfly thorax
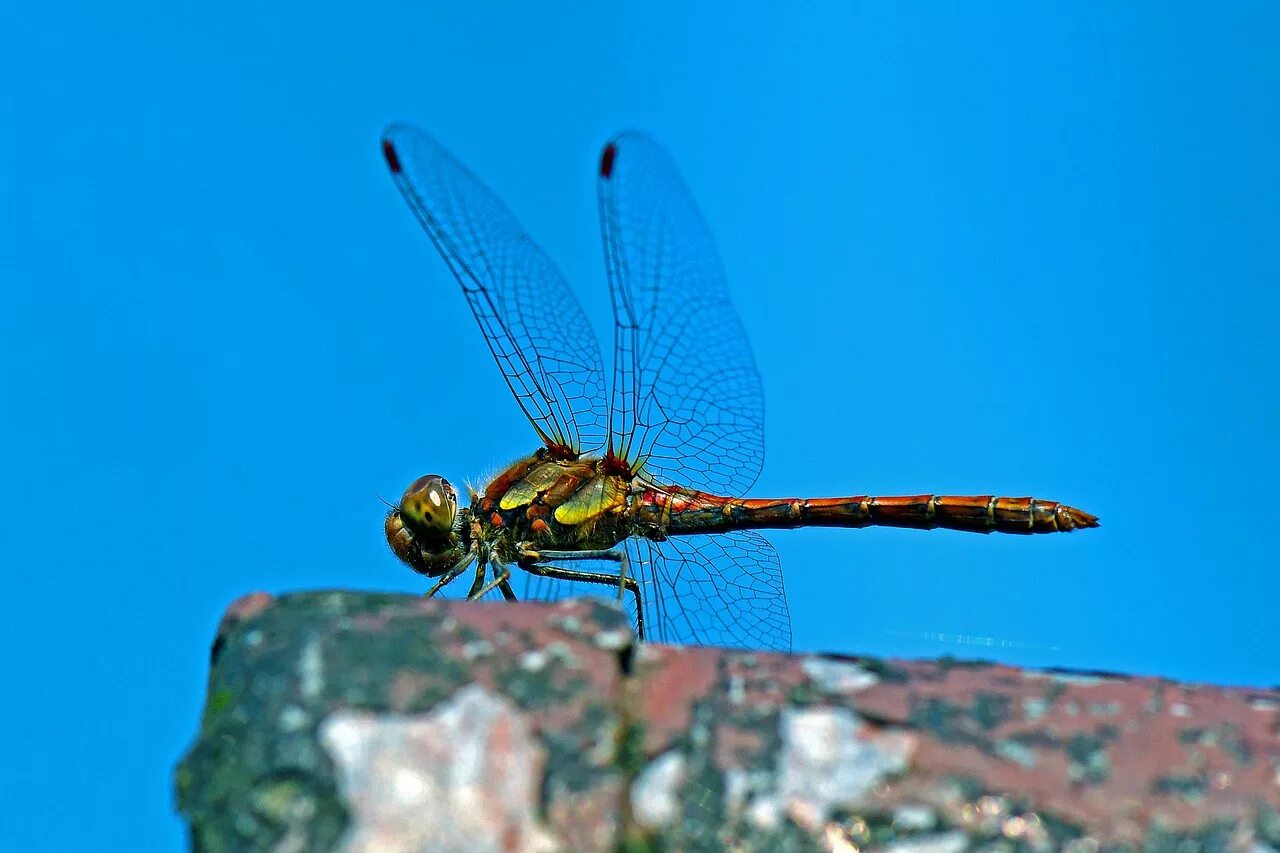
[(549, 501)]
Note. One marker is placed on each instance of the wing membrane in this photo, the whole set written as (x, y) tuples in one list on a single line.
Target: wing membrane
[(710, 590), (687, 405), (535, 327)]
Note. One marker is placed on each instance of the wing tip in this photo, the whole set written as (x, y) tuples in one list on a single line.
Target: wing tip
[(392, 158), (607, 157)]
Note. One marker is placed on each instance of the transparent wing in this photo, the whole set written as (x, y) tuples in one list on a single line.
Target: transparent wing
[(722, 589), (687, 403), (533, 323)]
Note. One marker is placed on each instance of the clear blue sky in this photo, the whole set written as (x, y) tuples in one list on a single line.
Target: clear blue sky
[(1024, 250)]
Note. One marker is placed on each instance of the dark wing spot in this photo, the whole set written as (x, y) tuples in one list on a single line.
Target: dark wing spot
[(393, 159), (606, 160)]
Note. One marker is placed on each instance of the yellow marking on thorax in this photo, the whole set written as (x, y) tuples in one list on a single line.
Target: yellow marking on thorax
[(599, 495), (538, 480)]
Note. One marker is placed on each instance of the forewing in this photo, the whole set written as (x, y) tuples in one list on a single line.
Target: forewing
[(534, 325), (687, 405), (721, 589)]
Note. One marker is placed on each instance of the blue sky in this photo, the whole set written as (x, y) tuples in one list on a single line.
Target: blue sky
[(1022, 250)]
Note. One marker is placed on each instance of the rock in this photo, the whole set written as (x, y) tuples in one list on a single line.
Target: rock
[(370, 722)]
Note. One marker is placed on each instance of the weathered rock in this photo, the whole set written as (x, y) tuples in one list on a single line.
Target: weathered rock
[(378, 722)]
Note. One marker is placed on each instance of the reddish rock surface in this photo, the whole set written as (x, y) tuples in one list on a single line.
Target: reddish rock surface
[(379, 722)]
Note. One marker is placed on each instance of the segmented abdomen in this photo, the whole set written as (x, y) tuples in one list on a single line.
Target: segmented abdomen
[(683, 512)]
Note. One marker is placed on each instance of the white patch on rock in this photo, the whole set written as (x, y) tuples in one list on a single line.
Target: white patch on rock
[(735, 789), (837, 676), (465, 777), (293, 718), (914, 818), (534, 660), (943, 842), (737, 693), (613, 641), (828, 760), (477, 649), (765, 813), (311, 670), (655, 797), (751, 795), (1077, 678)]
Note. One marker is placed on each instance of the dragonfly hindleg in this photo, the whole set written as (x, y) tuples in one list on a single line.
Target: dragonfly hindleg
[(531, 561)]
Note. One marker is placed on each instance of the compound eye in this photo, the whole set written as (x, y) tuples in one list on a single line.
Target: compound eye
[(429, 506)]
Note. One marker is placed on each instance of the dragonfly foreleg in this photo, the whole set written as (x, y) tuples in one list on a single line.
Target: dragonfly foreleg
[(448, 577), (501, 578), (531, 561), (476, 584)]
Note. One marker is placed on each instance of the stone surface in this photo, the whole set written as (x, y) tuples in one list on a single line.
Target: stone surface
[(371, 722), (381, 722)]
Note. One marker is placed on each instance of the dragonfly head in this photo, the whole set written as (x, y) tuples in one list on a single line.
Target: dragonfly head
[(429, 507), (421, 529)]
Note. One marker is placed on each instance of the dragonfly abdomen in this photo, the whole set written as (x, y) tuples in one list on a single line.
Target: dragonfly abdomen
[(976, 513)]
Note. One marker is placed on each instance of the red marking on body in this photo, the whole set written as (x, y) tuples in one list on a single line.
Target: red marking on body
[(615, 465), (678, 501), (561, 452), (654, 498), (540, 526), (606, 160), (495, 520), (393, 159)]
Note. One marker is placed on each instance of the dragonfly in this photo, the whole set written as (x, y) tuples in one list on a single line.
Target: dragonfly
[(637, 488)]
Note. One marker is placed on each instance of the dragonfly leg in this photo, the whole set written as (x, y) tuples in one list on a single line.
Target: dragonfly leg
[(619, 556), (501, 578), (476, 584), (531, 561), (457, 569)]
